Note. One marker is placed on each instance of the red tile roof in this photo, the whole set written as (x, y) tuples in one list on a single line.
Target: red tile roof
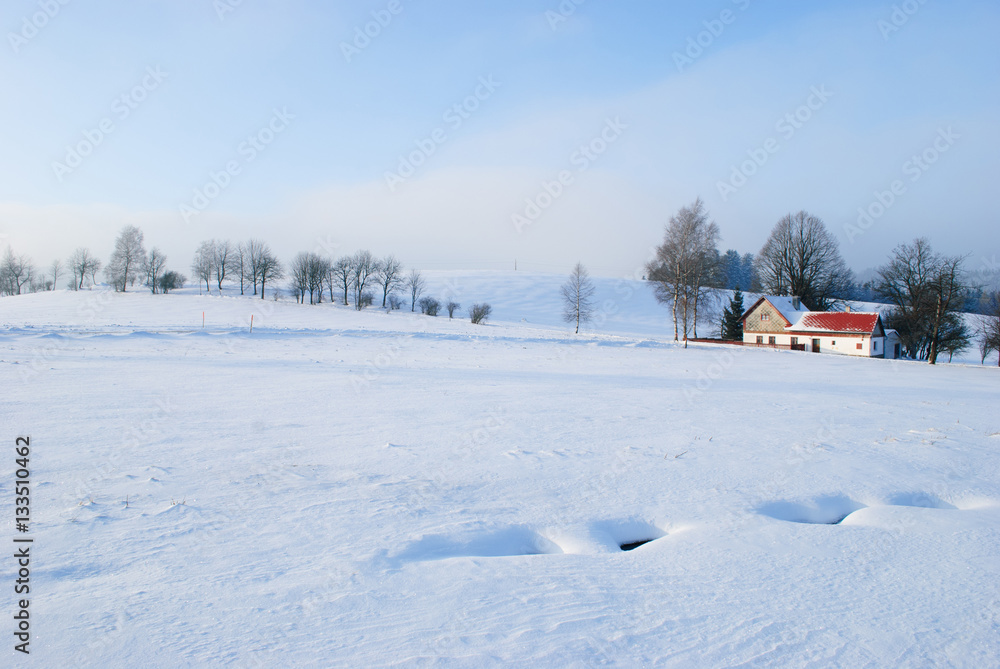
[(838, 321)]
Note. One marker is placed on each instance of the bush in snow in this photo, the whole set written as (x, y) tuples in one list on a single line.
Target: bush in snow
[(395, 302), (452, 308), (479, 313), (171, 281), (429, 306)]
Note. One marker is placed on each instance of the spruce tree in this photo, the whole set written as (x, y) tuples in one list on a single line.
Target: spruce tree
[(732, 326)]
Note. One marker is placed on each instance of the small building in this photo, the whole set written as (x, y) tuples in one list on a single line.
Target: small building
[(893, 345), (784, 322)]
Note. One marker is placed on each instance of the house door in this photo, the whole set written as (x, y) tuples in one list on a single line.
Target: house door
[(897, 351), (815, 345)]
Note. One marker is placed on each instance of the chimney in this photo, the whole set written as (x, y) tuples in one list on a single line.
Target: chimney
[(796, 303), (847, 308)]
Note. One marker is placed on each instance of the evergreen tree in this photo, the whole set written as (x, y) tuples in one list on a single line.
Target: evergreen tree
[(732, 326)]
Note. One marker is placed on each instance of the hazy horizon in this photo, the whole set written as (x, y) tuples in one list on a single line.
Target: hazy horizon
[(460, 137)]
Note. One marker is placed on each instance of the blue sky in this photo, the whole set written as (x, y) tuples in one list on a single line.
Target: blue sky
[(873, 84)]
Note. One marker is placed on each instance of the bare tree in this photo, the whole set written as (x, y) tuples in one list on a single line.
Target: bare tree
[(330, 278), (802, 258), (989, 325), (452, 307), (415, 285), (152, 266), (307, 274), (255, 251), (223, 260), (298, 273), (126, 261), (389, 275), (927, 290), (55, 269), (949, 291), (203, 265), (316, 276), (268, 267), (686, 263), (241, 264), (479, 313), (343, 271), (16, 272), (578, 297), (82, 263), (363, 266)]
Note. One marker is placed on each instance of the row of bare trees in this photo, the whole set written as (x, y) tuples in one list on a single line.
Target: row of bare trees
[(129, 264), (251, 263), (18, 274), (355, 278)]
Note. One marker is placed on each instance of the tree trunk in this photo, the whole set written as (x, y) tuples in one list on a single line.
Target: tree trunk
[(694, 320), (932, 355), (673, 309)]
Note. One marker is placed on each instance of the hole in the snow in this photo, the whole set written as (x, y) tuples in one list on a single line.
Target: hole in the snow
[(828, 510), (625, 534), (632, 545), (509, 542)]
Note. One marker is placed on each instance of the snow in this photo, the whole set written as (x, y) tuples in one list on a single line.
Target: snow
[(371, 489)]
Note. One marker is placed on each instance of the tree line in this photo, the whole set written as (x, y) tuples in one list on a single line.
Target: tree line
[(927, 292), (358, 279)]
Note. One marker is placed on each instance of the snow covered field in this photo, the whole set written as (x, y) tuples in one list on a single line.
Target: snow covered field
[(362, 489)]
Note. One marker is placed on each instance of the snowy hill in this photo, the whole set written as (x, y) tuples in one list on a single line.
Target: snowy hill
[(361, 489), (623, 306)]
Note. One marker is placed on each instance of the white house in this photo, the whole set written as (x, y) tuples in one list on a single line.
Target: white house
[(784, 322)]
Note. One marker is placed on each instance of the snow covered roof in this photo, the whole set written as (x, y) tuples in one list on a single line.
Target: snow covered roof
[(786, 306), (836, 321)]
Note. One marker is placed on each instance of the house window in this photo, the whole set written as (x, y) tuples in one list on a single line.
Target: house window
[(795, 341), (876, 345), (859, 347), (765, 317), (770, 341), (760, 339), (833, 343)]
